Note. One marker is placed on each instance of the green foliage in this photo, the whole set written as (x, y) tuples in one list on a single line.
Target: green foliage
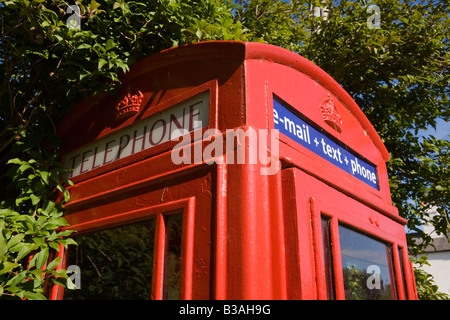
[(30, 223), (112, 35), (21, 235)]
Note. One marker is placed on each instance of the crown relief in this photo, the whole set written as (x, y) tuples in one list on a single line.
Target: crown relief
[(330, 114), (129, 105)]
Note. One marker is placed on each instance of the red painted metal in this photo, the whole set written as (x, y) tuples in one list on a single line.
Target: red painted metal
[(245, 235)]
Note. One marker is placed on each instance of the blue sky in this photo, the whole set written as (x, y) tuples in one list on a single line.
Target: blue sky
[(442, 130)]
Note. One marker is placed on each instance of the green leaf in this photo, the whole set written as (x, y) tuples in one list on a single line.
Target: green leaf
[(16, 279), (70, 285), (17, 247), (47, 208), (7, 266), (7, 213), (24, 167), (84, 46), (65, 233), (109, 44), (21, 199), (15, 240), (66, 242), (3, 246), (34, 295), (64, 191), (11, 5), (39, 240), (54, 263), (16, 161), (93, 5), (55, 223), (44, 176), (26, 249), (117, 4), (41, 258), (34, 199)]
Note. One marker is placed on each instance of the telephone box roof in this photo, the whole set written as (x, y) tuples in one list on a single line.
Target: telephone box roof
[(240, 51)]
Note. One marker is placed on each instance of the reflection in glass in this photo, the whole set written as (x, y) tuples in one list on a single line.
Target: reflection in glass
[(366, 266), (115, 263), (172, 268)]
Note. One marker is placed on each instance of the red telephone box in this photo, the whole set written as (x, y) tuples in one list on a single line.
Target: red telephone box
[(230, 170)]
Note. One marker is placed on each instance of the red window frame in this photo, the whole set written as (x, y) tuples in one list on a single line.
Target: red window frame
[(185, 207), (307, 200), (337, 217)]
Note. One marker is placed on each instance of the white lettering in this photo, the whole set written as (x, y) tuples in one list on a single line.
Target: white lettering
[(238, 148), (196, 310), (275, 116), (75, 278), (269, 156), (212, 153), (289, 125), (374, 17), (326, 148), (374, 281), (74, 21), (182, 147), (362, 171), (241, 136), (234, 309)]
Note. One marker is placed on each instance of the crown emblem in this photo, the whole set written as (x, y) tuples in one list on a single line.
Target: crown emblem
[(330, 114), (129, 105)]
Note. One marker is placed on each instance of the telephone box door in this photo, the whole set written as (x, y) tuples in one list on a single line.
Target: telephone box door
[(355, 252), (145, 240)]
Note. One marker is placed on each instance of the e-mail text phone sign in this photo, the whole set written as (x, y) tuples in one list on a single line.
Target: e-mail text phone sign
[(316, 141)]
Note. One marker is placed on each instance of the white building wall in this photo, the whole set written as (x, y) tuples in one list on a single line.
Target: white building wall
[(440, 269), (438, 257)]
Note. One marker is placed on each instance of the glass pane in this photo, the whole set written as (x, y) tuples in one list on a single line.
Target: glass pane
[(327, 256), (367, 266), (114, 263), (174, 224)]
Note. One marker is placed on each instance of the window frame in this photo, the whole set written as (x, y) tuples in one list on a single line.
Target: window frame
[(185, 207), (349, 218)]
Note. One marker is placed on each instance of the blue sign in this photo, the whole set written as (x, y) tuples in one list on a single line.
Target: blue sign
[(314, 140)]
